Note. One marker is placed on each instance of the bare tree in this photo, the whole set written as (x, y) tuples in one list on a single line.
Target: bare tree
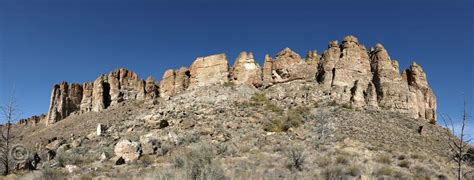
[(9, 111), (459, 146)]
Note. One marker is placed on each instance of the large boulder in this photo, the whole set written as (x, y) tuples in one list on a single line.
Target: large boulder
[(209, 70), (129, 151), (246, 71)]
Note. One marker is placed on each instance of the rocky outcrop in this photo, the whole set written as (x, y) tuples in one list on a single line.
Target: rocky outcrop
[(246, 71), (151, 88), (423, 98), (107, 90), (289, 66), (267, 71), (100, 94), (209, 70), (347, 72), (174, 82), (64, 100), (125, 85), (33, 120)]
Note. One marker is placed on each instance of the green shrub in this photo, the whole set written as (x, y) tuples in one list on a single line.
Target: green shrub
[(404, 164)]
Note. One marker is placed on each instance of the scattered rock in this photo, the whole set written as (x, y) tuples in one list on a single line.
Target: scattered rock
[(72, 168)]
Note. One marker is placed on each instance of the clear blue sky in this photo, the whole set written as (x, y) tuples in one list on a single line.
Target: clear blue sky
[(43, 42)]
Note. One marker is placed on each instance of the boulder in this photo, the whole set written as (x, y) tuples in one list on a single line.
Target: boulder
[(54, 145), (129, 151), (246, 71), (209, 70)]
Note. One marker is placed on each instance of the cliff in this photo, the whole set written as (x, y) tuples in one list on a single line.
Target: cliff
[(348, 72)]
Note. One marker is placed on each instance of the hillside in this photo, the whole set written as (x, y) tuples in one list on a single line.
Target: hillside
[(345, 114)]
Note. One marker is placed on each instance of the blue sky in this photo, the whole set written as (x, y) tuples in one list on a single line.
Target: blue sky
[(43, 42)]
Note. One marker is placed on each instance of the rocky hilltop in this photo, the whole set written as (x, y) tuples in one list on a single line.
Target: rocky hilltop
[(348, 72)]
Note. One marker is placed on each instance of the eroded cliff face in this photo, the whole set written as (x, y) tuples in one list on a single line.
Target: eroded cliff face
[(348, 73)]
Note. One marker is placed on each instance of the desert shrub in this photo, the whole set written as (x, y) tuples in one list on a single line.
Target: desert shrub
[(404, 164), (198, 163), (385, 171), (324, 161), (384, 159), (354, 171), (295, 158), (258, 99), (333, 103), (347, 106), (333, 173), (52, 174), (342, 159), (65, 158), (229, 84), (417, 156)]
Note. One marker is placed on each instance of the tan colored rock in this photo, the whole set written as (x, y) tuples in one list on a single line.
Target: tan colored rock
[(86, 103), (209, 70), (100, 94), (246, 71), (392, 91), (33, 120), (64, 100), (167, 84), (129, 151), (423, 98), (151, 88), (125, 85), (181, 82), (287, 66), (353, 65), (312, 61), (326, 69), (267, 71)]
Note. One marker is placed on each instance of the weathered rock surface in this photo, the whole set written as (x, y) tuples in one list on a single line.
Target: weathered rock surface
[(129, 151), (246, 71), (33, 120), (347, 73), (288, 66), (65, 99), (209, 70)]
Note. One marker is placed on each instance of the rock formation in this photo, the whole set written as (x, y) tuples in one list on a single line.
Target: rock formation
[(33, 120), (64, 100), (348, 73), (209, 70), (246, 71), (119, 85)]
